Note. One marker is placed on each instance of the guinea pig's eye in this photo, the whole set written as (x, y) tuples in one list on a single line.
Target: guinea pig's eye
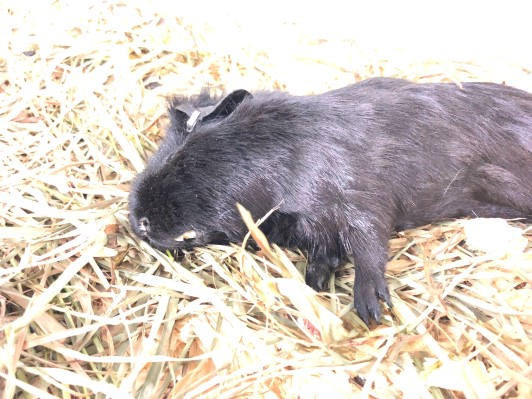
[(187, 235)]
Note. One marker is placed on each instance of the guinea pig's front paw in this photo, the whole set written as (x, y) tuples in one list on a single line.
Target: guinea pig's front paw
[(317, 275), (319, 269), (367, 295)]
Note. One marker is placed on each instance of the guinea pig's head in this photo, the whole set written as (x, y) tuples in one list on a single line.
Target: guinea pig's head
[(171, 206), (167, 215)]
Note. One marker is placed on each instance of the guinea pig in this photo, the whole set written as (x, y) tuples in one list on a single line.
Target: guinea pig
[(343, 169)]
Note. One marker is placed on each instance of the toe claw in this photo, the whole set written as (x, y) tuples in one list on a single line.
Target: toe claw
[(367, 300)]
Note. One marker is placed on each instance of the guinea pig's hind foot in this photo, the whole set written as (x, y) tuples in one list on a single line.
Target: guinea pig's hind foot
[(496, 185)]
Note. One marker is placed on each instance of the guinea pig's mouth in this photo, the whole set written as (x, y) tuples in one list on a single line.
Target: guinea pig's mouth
[(187, 240), (174, 243), (187, 235)]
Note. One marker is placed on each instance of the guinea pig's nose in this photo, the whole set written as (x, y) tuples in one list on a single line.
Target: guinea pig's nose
[(144, 226)]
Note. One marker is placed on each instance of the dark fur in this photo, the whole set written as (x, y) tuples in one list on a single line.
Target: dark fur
[(347, 168)]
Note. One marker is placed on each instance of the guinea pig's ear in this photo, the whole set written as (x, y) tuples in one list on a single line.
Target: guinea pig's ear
[(178, 119), (227, 105), (179, 111)]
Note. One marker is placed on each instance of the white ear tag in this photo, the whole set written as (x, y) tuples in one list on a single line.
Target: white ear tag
[(193, 120)]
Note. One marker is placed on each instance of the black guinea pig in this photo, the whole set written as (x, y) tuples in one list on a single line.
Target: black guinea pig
[(345, 169)]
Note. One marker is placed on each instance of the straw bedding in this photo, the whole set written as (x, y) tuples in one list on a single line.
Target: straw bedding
[(86, 310)]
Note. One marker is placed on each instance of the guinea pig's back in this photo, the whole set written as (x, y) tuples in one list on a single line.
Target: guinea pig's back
[(429, 149), (393, 119)]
